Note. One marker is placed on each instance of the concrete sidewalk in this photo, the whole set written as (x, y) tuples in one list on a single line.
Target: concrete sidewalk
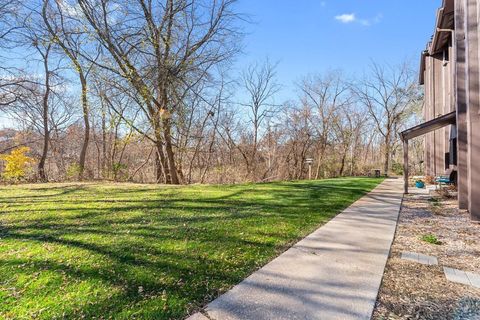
[(334, 273)]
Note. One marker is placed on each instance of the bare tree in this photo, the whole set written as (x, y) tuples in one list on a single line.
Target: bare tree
[(347, 128), (260, 84), (389, 93), (41, 109), (45, 54), (167, 48), (326, 95), (64, 30), (28, 100), (300, 139)]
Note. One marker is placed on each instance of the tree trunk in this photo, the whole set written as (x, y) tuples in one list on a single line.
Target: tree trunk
[(342, 167), (159, 174), (104, 144), (172, 168), (319, 164), (321, 155), (86, 138), (161, 166), (46, 131), (387, 155)]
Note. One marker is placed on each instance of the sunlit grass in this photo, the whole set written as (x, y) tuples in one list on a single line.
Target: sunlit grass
[(127, 251)]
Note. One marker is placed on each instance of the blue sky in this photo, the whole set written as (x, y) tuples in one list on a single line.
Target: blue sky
[(308, 36)]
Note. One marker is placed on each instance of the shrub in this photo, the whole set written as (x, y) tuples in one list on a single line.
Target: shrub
[(17, 164)]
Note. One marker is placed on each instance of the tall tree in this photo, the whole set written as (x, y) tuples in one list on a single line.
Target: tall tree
[(390, 94), (64, 29), (45, 54), (325, 95), (31, 96), (260, 84), (162, 49)]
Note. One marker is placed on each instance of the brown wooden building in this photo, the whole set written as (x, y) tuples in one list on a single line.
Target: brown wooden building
[(450, 73)]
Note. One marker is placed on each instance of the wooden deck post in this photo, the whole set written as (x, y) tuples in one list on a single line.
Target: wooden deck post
[(405, 164)]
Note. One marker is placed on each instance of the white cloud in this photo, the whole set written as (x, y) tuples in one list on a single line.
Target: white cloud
[(346, 18), (352, 18)]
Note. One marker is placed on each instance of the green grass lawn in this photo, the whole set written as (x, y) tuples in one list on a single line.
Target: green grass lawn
[(124, 251)]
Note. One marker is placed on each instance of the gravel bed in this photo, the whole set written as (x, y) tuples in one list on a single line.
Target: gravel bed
[(415, 291)]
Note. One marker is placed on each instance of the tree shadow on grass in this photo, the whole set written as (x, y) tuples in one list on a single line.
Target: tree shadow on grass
[(181, 249)]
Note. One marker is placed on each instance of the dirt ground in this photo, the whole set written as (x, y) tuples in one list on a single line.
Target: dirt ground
[(414, 291)]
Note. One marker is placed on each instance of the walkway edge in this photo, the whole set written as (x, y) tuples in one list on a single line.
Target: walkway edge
[(333, 273)]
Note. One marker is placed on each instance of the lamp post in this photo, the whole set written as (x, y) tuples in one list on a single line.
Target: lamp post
[(309, 161)]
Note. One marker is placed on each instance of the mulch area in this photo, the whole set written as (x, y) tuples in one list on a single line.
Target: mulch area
[(414, 291)]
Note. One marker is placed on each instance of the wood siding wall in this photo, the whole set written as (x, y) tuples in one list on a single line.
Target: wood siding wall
[(439, 100)]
